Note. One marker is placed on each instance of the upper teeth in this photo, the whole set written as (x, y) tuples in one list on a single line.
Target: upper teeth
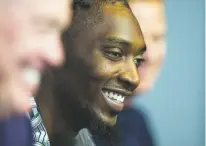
[(114, 95)]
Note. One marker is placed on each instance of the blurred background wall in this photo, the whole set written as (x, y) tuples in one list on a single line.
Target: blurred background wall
[(175, 107)]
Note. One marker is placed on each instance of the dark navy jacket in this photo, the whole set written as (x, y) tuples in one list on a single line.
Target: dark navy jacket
[(133, 128), (16, 131)]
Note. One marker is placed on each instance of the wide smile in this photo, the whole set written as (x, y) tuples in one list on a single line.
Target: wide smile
[(115, 96), (115, 99)]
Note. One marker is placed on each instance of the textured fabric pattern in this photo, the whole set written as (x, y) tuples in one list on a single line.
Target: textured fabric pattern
[(84, 138), (40, 136)]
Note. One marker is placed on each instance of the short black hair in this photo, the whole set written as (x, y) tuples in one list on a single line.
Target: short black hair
[(83, 3), (88, 3), (87, 15)]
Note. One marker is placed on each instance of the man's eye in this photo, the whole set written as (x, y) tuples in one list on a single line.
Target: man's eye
[(113, 54), (138, 61)]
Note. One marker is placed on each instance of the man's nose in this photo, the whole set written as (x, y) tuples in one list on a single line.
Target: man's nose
[(130, 75), (54, 54)]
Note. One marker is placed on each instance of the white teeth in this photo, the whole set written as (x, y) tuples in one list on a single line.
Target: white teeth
[(115, 96), (110, 94), (118, 97), (32, 76), (122, 99)]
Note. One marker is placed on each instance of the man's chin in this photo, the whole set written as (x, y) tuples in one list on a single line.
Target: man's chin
[(108, 120)]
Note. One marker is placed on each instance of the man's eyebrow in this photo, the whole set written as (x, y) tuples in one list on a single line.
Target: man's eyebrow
[(143, 49), (117, 41), (50, 21), (123, 43)]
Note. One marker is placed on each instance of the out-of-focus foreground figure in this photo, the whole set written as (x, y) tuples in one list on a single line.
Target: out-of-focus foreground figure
[(29, 43), (132, 123), (150, 14)]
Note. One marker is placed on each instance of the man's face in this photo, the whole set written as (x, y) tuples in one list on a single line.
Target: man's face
[(115, 64), (29, 42), (151, 18)]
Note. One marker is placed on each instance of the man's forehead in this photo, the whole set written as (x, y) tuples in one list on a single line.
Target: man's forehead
[(150, 12), (55, 7), (154, 28), (50, 9)]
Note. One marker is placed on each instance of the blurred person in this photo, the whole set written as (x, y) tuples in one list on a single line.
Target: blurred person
[(29, 43), (100, 71), (151, 15), (133, 122), (40, 136)]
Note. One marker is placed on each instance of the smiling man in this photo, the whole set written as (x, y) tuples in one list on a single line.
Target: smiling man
[(112, 62), (100, 71)]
